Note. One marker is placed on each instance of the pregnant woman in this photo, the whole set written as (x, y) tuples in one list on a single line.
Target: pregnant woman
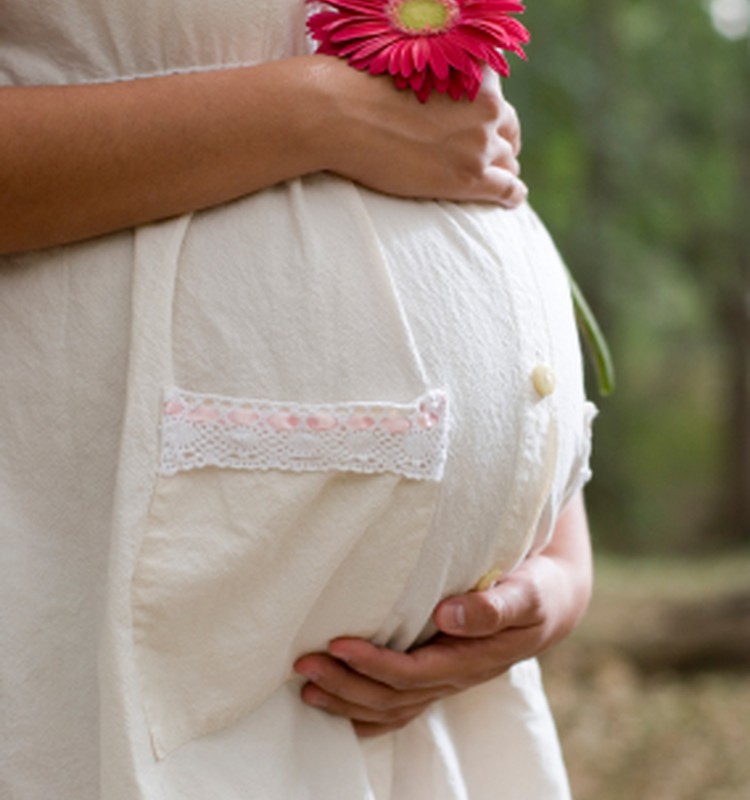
[(293, 429)]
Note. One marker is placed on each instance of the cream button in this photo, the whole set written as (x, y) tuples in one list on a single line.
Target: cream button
[(544, 380), (489, 580)]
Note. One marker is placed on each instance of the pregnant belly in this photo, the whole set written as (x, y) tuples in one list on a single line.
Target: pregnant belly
[(318, 292)]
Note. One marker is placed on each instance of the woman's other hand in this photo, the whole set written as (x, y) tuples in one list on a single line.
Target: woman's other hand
[(386, 139), (482, 635)]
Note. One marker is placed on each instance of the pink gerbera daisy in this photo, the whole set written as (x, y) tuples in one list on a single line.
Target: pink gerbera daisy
[(423, 44)]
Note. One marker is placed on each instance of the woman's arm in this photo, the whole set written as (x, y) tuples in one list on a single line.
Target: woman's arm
[(79, 161), (483, 634)]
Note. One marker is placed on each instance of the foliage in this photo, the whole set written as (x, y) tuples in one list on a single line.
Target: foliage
[(633, 125)]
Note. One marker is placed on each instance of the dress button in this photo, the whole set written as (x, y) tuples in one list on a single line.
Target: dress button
[(544, 380), (488, 580)]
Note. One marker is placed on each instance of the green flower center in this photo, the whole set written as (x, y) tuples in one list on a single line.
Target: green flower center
[(423, 16)]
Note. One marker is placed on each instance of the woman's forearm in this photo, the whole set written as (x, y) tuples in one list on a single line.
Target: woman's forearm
[(78, 161), (570, 550)]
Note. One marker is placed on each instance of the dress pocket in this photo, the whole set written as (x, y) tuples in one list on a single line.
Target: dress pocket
[(273, 528)]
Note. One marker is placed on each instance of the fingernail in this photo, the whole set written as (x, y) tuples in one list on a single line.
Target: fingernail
[(310, 674), (453, 616)]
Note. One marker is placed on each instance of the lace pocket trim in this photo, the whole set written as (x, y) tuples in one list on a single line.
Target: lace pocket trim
[(209, 430)]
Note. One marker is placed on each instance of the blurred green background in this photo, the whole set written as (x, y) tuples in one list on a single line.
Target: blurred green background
[(636, 124)]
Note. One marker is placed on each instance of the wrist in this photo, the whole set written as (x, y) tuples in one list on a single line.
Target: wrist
[(574, 587), (310, 109), (317, 109), (351, 116)]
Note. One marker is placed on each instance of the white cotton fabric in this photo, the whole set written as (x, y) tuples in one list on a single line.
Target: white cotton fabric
[(150, 621)]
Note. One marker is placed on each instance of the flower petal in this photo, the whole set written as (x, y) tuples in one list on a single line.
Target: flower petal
[(438, 59), (406, 66), (448, 60), (421, 53)]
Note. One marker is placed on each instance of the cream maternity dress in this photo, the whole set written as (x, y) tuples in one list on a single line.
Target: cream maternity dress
[(229, 437)]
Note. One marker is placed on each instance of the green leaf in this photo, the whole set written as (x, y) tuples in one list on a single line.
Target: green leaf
[(596, 344)]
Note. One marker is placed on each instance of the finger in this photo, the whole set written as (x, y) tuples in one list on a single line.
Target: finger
[(336, 680), (508, 162), (314, 696), (515, 602), (501, 186), (510, 127), (444, 665), (390, 667), (504, 157), (367, 730)]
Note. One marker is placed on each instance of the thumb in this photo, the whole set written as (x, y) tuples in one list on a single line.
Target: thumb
[(477, 614)]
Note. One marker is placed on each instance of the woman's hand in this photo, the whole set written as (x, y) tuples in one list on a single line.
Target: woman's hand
[(482, 635), (387, 140)]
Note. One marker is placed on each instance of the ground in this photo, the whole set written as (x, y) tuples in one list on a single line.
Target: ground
[(652, 693)]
